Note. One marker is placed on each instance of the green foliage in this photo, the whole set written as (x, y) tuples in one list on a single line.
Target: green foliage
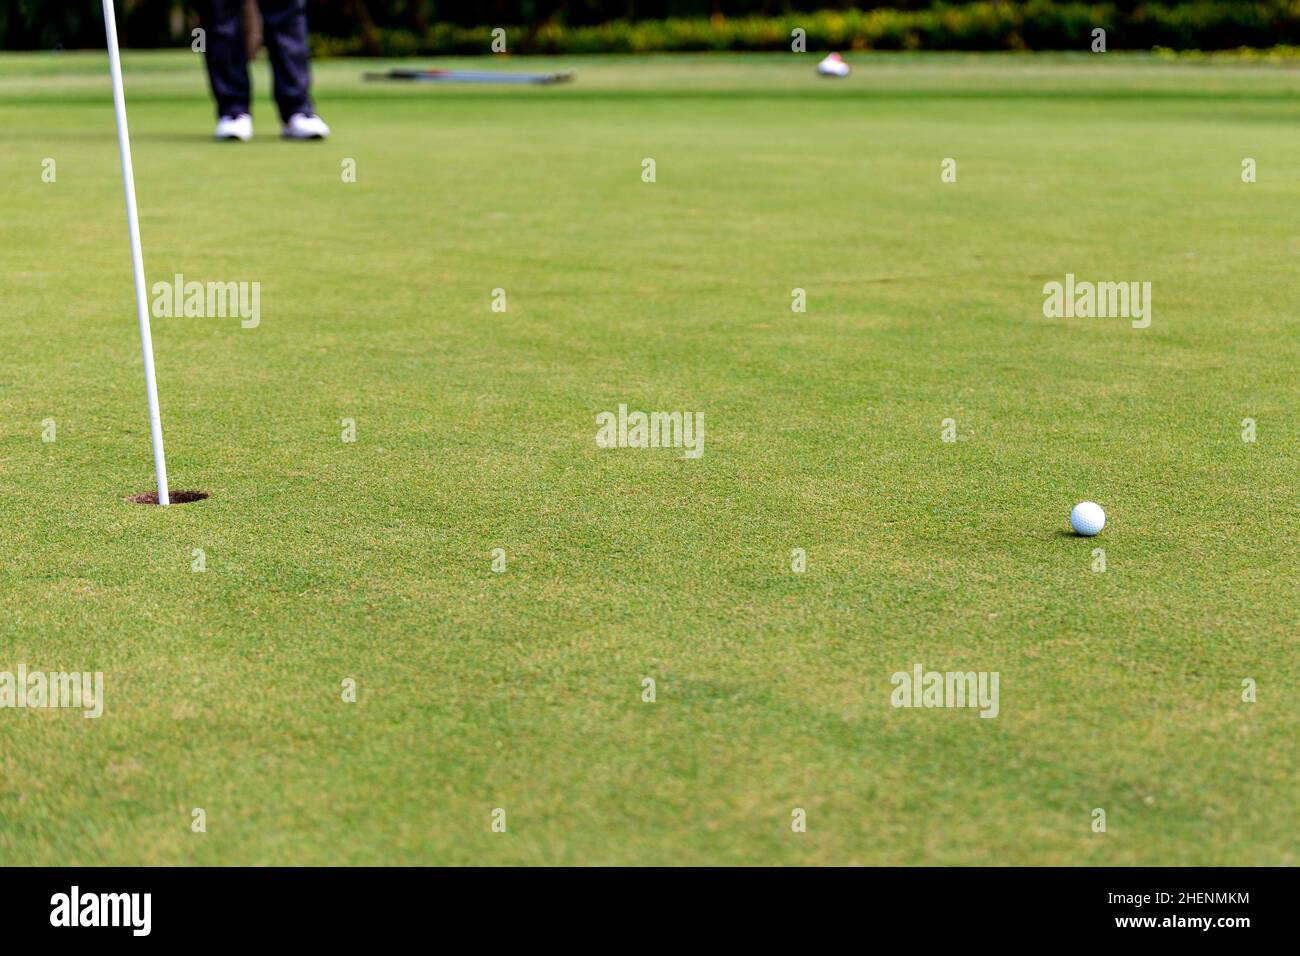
[(410, 27), (1030, 25)]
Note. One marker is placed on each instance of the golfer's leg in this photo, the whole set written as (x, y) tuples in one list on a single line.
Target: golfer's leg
[(226, 57), (285, 36)]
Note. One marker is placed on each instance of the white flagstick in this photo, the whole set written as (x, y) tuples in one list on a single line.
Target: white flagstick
[(137, 257)]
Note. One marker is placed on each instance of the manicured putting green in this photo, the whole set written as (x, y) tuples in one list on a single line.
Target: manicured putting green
[(371, 561)]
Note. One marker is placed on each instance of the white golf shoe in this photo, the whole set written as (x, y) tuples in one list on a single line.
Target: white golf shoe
[(833, 65), (235, 127), (305, 126)]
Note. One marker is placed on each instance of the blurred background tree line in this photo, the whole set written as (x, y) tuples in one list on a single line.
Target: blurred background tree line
[(410, 27), (44, 24)]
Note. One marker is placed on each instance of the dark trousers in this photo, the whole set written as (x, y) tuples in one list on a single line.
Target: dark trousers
[(284, 31)]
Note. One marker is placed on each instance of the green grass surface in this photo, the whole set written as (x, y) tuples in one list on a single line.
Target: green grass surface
[(475, 430)]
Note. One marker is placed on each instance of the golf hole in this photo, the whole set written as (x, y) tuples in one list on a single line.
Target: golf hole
[(174, 498)]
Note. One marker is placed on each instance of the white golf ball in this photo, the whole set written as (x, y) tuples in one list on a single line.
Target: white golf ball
[(833, 65), (1087, 518)]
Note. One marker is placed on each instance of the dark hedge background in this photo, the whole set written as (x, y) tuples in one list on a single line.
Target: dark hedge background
[(434, 26)]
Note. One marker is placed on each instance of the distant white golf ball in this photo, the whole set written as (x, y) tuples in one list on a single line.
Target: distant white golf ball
[(833, 65), (1087, 518)]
